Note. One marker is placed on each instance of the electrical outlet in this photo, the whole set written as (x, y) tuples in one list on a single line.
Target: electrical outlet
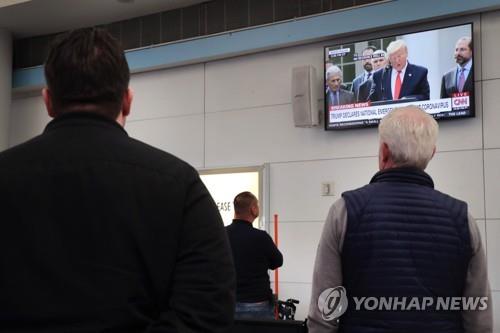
[(327, 188)]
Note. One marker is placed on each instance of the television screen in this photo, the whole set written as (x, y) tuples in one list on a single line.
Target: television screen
[(432, 69)]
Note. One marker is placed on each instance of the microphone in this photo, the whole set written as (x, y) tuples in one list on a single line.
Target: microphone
[(387, 68)]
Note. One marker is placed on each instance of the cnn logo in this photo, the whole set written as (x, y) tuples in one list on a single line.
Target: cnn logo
[(461, 101)]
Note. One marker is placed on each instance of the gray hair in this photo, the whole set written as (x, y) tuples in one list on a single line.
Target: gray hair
[(396, 45), (333, 70), (411, 135)]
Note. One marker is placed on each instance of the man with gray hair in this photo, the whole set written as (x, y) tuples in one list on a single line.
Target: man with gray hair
[(401, 80), (394, 252), (335, 95)]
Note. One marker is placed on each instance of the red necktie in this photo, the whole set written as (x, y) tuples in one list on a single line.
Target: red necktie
[(397, 87)]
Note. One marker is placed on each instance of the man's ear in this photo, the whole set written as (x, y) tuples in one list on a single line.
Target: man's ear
[(384, 156), (433, 152), (47, 99), (127, 102)]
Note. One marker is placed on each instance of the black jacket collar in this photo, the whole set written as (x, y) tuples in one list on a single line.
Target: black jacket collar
[(83, 118), (403, 175), (242, 222)]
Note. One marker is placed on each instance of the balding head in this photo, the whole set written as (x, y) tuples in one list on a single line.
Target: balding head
[(408, 138), (246, 206), (463, 50)]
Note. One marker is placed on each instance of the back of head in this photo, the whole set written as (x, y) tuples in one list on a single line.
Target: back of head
[(86, 70), (243, 202), (411, 135)]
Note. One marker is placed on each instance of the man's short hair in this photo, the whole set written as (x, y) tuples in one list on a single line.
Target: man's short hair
[(87, 67), (411, 136), (333, 70), (395, 46), (243, 201)]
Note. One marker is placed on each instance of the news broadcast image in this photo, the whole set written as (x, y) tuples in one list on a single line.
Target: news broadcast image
[(432, 69)]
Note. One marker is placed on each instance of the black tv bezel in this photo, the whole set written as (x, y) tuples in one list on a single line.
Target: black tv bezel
[(472, 107)]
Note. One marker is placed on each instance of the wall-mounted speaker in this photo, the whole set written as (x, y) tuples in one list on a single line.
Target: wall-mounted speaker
[(304, 96)]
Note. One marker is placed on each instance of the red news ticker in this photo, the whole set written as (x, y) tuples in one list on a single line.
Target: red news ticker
[(349, 106)]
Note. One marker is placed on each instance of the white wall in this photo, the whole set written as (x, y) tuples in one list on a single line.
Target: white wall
[(237, 112)]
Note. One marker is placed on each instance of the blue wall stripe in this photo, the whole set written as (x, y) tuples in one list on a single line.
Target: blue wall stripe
[(301, 30)]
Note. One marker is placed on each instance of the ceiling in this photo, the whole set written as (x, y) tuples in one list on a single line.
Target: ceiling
[(26, 18)]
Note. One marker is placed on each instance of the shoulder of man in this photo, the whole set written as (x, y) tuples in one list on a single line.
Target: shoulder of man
[(417, 68), (262, 234), (159, 160), (452, 200)]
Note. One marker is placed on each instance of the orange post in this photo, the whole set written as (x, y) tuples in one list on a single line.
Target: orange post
[(276, 285)]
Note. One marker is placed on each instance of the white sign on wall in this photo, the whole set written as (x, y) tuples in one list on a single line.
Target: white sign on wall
[(225, 184)]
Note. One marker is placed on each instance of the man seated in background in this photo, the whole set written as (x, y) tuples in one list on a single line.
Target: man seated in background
[(399, 240), (335, 95), (101, 232), (459, 78), (402, 80), (254, 252)]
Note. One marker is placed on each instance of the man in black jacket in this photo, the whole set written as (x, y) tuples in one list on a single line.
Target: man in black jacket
[(101, 232), (254, 253)]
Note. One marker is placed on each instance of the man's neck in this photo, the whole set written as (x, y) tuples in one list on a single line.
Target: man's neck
[(465, 64), (244, 218)]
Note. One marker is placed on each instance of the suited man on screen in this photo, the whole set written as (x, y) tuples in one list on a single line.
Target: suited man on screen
[(459, 78), (361, 85), (335, 95), (400, 80)]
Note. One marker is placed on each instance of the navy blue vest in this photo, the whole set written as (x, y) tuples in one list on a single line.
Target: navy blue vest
[(403, 239)]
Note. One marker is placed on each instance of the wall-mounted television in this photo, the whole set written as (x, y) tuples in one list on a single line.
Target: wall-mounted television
[(432, 69)]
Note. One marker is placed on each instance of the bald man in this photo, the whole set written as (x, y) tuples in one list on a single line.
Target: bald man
[(459, 78)]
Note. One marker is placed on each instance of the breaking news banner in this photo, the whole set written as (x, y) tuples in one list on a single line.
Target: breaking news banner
[(367, 113)]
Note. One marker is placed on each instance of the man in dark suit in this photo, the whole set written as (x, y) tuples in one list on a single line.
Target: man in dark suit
[(400, 80), (361, 85), (101, 232), (335, 95), (460, 78)]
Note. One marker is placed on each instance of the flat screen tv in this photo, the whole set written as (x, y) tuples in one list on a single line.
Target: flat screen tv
[(432, 69)]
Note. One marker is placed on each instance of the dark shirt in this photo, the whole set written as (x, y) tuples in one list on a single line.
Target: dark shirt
[(101, 232), (254, 253)]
